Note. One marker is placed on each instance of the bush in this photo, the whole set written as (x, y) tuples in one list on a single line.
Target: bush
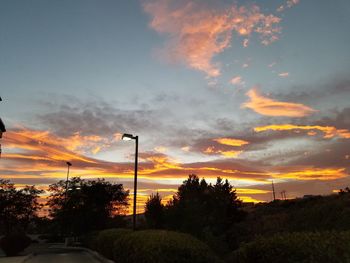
[(306, 247), (14, 243), (106, 238), (90, 240), (160, 246)]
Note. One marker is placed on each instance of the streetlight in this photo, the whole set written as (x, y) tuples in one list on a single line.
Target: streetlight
[(129, 137), (68, 165)]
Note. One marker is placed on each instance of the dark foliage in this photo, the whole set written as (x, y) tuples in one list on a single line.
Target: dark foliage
[(18, 207), (303, 247), (154, 211), (89, 240), (14, 243), (204, 210), (159, 246), (87, 205), (106, 238), (318, 213)]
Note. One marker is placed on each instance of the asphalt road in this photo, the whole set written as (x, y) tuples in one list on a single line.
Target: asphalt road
[(62, 255)]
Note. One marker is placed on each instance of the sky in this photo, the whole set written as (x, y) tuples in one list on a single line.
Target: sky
[(250, 91)]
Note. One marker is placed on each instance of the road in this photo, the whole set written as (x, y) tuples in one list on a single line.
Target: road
[(64, 255)]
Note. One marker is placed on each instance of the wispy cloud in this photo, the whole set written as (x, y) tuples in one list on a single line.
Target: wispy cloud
[(237, 81), (288, 4), (284, 74), (269, 107), (224, 153), (329, 131), (231, 141), (198, 31), (313, 174)]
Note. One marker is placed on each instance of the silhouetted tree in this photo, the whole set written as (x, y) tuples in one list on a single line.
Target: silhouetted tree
[(199, 208), (87, 205), (18, 207), (154, 211)]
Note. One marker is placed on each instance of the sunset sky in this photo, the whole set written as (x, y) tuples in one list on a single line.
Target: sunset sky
[(251, 91)]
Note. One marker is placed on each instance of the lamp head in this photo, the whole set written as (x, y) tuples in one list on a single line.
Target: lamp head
[(69, 164), (127, 137)]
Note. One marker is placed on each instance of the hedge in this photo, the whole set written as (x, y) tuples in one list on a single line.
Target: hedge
[(14, 243), (90, 240), (106, 238), (160, 246), (302, 247)]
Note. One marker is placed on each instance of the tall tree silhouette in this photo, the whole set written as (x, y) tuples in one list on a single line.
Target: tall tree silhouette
[(199, 206), (154, 211), (18, 207), (87, 205)]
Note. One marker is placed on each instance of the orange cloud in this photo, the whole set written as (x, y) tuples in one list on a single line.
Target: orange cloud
[(227, 154), (270, 107), (329, 131), (39, 156), (231, 142), (197, 32), (249, 199), (251, 191), (313, 174)]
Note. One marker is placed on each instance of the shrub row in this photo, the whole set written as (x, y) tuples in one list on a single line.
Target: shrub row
[(303, 247), (149, 246), (14, 243)]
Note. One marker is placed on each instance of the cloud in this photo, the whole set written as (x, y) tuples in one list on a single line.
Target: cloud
[(98, 118), (197, 31), (231, 141), (313, 174), (288, 4), (238, 81), (284, 74), (35, 156), (329, 131), (226, 154), (270, 107), (245, 42)]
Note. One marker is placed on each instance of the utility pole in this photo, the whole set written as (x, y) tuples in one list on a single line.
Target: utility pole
[(273, 191), (283, 195), (2, 129)]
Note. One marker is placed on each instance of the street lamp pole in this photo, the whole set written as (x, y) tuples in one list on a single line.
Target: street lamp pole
[(128, 137), (68, 165), (135, 181)]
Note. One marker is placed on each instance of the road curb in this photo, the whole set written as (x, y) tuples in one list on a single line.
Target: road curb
[(28, 257), (93, 253)]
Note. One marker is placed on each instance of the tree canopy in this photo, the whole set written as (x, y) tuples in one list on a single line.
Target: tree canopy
[(18, 207), (198, 208), (154, 211), (87, 205)]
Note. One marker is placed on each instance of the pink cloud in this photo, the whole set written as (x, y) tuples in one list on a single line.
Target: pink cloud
[(288, 4), (284, 74), (238, 81), (245, 42), (197, 32)]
